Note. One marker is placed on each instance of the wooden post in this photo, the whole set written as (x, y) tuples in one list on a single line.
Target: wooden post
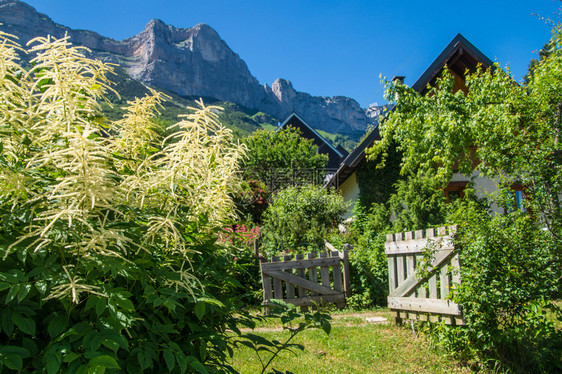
[(289, 287), (346, 275)]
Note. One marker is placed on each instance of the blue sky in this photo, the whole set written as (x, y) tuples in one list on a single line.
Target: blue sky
[(329, 48)]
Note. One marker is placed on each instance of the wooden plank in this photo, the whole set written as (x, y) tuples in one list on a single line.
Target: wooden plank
[(459, 321), (389, 237), (288, 286), (392, 273), (415, 245), (344, 255), (410, 284), (300, 273), (331, 248), (312, 274), (432, 282), (400, 270), (313, 300), (455, 265), (302, 283), (277, 285), (424, 305), (434, 319), (336, 271), (410, 265), (266, 286), (444, 281), (310, 263), (325, 272), (430, 233)]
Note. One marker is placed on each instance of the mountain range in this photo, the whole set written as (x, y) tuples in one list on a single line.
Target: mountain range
[(194, 62)]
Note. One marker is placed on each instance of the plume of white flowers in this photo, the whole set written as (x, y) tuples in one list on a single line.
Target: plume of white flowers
[(81, 179)]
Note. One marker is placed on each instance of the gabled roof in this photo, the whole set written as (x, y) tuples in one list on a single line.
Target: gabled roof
[(459, 56), (291, 121), (349, 164)]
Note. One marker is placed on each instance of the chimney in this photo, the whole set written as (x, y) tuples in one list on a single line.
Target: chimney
[(398, 79)]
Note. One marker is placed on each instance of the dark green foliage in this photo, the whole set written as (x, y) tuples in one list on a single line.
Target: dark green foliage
[(377, 184), (367, 260), (300, 218), (139, 322), (417, 204)]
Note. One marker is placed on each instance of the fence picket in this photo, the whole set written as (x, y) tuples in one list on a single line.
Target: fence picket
[(277, 285), (289, 287)]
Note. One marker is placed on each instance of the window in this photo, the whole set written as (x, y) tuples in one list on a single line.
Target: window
[(454, 191)]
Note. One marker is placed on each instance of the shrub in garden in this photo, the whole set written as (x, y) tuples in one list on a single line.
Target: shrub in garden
[(240, 241), (507, 277), (108, 231), (300, 218)]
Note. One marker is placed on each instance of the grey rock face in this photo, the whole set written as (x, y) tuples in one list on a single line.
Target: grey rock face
[(192, 62)]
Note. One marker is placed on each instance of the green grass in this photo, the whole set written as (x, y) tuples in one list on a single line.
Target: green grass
[(353, 346)]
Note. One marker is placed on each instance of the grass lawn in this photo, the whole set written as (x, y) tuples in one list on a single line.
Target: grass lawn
[(353, 346)]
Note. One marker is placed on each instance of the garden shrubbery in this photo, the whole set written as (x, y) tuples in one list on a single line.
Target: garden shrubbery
[(108, 230)]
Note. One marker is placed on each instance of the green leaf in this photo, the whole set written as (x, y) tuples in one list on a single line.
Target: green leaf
[(24, 290), (56, 326), (4, 286), (26, 325), (101, 304), (41, 287), (13, 362), (12, 293), (326, 326), (69, 357), (199, 309), (105, 361), (199, 367), (169, 358), (53, 363)]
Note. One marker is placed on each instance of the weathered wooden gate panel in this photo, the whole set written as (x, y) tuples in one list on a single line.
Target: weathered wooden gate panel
[(424, 297), (307, 282)]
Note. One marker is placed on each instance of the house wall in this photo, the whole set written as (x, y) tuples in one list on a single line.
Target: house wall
[(350, 192), (483, 186)]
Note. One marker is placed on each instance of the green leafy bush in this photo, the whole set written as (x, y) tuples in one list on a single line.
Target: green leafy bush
[(508, 275), (108, 231), (301, 218)]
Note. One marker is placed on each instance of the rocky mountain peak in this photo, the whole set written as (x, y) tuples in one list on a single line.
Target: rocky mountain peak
[(192, 62)]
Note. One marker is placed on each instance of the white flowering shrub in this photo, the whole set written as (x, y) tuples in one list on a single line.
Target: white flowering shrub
[(107, 230)]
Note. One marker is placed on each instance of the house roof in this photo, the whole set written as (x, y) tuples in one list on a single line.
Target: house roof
[(294, 116), (460, 55), (349, 164)]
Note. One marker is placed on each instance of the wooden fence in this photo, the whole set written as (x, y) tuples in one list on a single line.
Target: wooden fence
[(296, 281), (423, 295)]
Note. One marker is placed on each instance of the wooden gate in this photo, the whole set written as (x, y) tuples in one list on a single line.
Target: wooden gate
[(423, 295), (296, 281)]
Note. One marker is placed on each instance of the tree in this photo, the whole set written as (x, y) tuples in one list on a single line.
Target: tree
[(281, 154)]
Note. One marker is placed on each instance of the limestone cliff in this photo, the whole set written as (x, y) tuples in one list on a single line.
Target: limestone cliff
[(192, 62)]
